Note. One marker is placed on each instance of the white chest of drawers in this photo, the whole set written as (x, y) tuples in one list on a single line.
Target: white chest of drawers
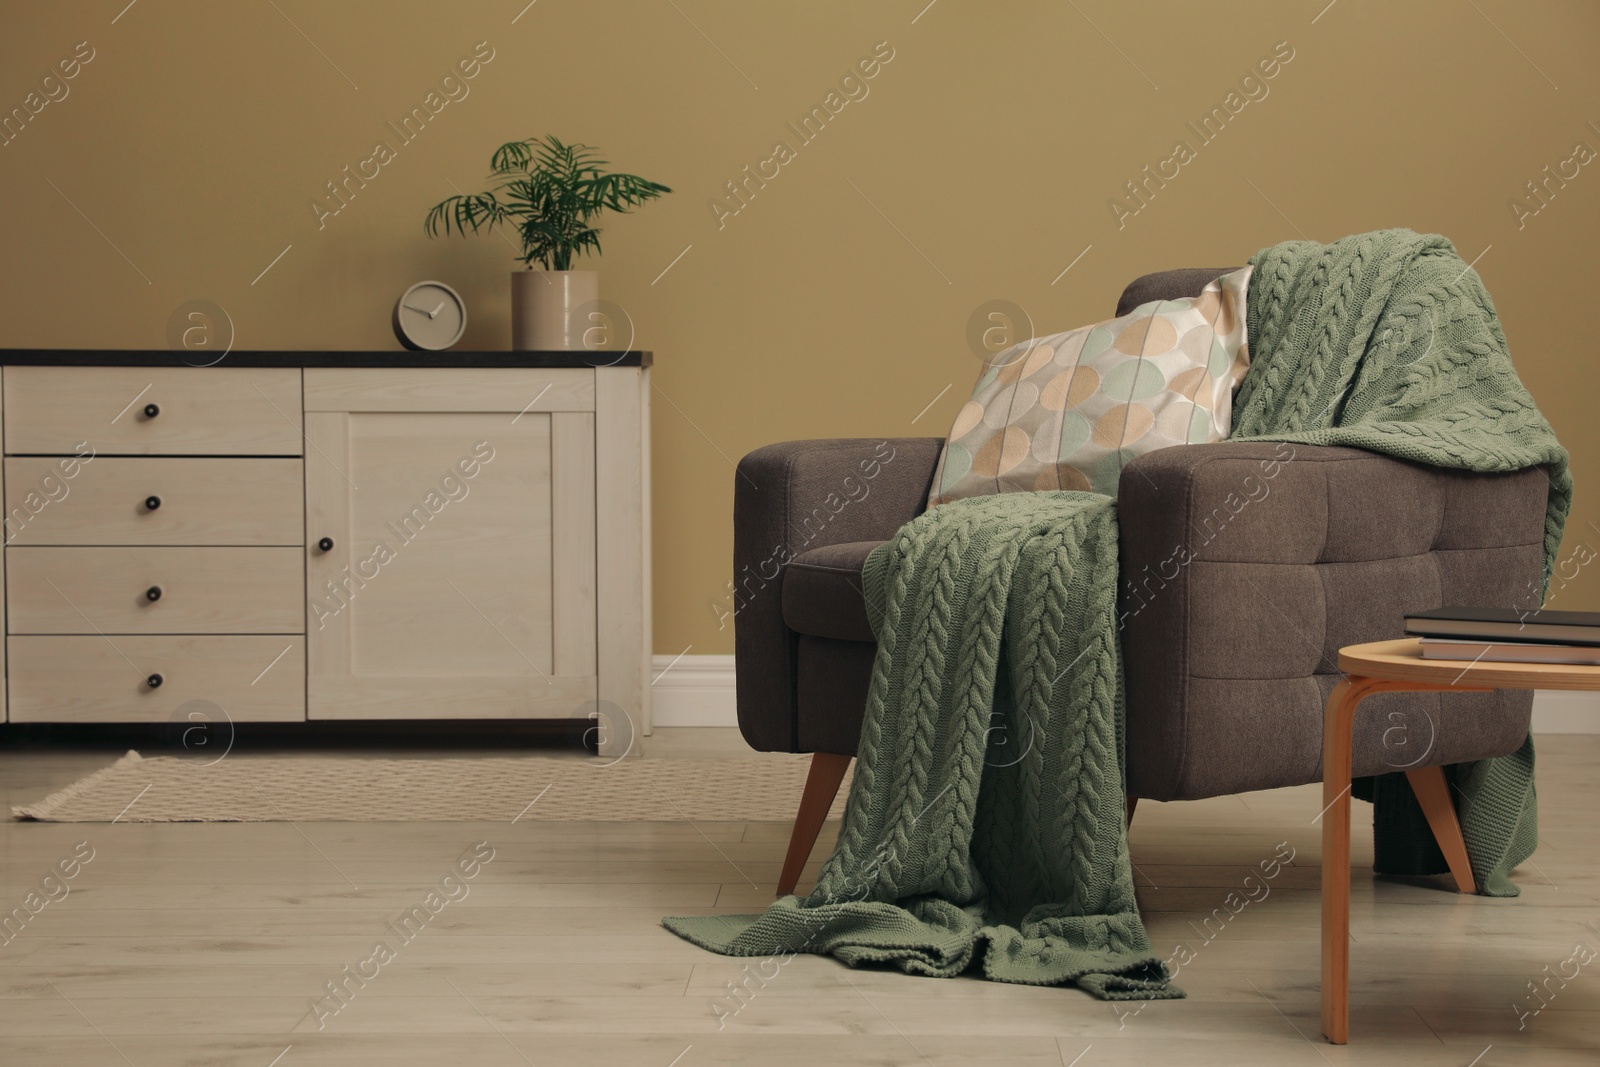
[(294, 536)]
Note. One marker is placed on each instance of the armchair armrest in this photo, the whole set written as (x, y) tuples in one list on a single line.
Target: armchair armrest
[(789, 498), (1247, 565)]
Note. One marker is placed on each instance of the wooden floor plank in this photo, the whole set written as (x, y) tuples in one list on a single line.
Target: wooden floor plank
[(209, 943)]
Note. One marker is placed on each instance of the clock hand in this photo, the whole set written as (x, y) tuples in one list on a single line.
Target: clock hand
[(419, 311), (436, 310)]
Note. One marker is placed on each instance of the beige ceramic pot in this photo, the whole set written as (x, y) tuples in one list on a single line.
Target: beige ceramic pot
[(543, 306)]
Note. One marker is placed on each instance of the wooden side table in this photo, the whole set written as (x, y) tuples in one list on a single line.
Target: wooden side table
[(1388, 667)]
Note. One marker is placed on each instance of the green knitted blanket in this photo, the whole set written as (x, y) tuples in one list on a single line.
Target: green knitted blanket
[(1387, 341), (999, 613), (992, 613)]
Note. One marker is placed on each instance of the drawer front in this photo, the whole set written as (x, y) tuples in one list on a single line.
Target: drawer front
[(198, 501), (155, 591), (205, 411), (100, 679)]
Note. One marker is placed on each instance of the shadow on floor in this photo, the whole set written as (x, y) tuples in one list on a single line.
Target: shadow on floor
[(394, 737)]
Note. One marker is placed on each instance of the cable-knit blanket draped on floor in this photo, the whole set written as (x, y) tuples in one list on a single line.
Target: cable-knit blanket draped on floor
[(1003, 608)]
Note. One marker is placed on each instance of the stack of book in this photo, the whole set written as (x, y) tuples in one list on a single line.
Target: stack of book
[(1507, 635)]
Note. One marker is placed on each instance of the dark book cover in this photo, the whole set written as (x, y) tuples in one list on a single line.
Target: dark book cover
[(1507, 624)]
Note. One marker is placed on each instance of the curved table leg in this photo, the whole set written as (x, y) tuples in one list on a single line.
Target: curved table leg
[(1338, 718), (1337, 742)]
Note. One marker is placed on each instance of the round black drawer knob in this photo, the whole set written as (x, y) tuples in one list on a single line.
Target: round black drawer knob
[(153, 593), (326, 544), (151, 410), (152, 502), (154, 681)]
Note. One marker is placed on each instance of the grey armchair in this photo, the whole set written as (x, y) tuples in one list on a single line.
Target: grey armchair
[(1232, 614)]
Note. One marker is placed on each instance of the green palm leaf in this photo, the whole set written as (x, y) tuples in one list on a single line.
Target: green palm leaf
[(549, 192)]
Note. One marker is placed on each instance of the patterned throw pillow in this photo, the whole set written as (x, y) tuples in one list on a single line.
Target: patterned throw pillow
[(1068, 411)]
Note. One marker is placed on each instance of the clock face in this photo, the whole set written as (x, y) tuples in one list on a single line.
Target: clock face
[(429, 316)]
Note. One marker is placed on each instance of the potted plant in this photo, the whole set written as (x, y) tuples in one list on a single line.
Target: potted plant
[(550, 193)]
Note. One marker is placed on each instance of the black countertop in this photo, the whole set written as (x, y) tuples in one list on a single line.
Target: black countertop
[(162, 357)]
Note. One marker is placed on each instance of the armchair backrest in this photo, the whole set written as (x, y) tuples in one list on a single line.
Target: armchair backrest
[(1167, 285)]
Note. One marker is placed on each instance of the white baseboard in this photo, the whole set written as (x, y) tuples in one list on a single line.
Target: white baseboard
[(1565, 712), (692, 691), (698, 691)]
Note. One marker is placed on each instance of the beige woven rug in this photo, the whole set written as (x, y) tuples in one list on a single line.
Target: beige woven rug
[(491, 789)]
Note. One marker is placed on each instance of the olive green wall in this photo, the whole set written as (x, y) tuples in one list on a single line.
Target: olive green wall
[(976, 164)]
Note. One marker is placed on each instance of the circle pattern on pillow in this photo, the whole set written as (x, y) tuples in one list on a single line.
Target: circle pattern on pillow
[(1069, 411)]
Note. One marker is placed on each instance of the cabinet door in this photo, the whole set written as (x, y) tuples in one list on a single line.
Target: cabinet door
[(460, 510)]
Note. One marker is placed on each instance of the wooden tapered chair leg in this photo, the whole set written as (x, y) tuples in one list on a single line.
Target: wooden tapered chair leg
[(822, 785), (1433, 793)]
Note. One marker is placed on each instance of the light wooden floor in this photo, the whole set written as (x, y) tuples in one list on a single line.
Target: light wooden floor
[(205, 944)]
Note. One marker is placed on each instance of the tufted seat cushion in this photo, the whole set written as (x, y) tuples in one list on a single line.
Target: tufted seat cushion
[(1249, 564), (822, 595)]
